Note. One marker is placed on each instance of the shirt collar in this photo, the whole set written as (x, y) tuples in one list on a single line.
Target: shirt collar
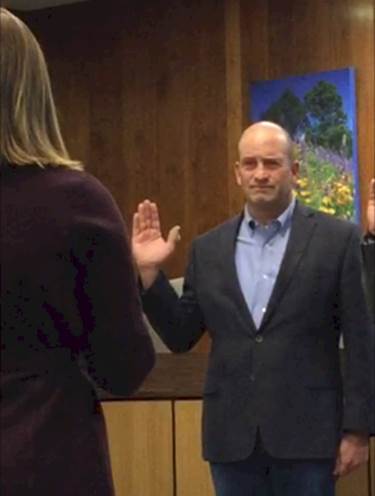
[(283, 220)]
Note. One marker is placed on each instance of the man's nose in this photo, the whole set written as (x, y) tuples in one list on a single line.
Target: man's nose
[(260, 171)]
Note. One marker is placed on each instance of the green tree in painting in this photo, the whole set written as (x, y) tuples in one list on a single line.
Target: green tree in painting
[(288, 111), (327, 119)]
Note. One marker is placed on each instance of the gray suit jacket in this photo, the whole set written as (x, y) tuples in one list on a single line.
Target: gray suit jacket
[(368, 250), (286, 379)]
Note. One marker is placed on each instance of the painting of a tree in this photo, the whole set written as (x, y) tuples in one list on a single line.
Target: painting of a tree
[(327, 119), (318, 112), (288, 111)]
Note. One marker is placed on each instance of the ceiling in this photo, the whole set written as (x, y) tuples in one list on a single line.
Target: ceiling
[(36, 4)]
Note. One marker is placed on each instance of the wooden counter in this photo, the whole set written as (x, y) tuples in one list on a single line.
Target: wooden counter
[(175, 376), (154, 436)]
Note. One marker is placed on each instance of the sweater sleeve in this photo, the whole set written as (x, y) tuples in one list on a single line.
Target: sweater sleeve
[(119, 350)]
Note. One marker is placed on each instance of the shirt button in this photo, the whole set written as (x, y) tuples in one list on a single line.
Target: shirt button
[(264, 310), (259, 339), (252, 378), (265, 276)]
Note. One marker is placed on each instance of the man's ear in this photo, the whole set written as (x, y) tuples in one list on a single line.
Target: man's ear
[(295, 169), (237, 173)]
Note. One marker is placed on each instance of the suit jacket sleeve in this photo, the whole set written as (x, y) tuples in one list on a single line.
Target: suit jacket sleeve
[(368, 251), (356, 330), (118, 348), (178, 321)]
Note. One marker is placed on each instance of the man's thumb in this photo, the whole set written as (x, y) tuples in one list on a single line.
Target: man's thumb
[(174, 235)]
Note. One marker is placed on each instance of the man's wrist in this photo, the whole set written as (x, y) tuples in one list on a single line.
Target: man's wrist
[(148, 275), (370, 236), (361, 437)]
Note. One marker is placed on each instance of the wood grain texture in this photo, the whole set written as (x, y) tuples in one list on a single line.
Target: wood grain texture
[(141, 89), (192, 473), (234, 96), (173, 377), (141, 447), (354, 484)]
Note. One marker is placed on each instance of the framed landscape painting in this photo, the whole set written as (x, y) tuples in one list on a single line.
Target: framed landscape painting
[(319, 112)]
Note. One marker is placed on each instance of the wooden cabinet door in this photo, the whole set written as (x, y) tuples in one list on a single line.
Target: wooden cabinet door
[(192, 473), (354, 484), (141, 447), (145, 462)]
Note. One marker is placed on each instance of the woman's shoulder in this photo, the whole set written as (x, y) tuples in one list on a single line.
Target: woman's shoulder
[(74, 179), (85, 197), (79, 187), (71, 194), (50, 177)]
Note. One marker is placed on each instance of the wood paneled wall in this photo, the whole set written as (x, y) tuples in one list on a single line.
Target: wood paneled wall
[(153, 94), (142, 93)]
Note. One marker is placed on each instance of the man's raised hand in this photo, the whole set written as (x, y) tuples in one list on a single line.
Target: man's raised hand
[(150, 249), (371, 208)]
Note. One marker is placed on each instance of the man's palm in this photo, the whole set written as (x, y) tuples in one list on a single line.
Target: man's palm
[(150, 249)]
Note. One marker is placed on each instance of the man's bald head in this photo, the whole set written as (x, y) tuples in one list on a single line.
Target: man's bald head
[(267, 130), (266, 171)]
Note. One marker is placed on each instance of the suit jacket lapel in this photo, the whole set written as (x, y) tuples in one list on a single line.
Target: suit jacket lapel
[(303, 225), (231, 282)]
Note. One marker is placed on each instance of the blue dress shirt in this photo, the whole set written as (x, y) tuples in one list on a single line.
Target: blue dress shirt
[(259, 252)]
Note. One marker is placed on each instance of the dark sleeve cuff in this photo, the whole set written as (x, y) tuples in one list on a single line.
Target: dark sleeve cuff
[(142, 291), (369, 238)]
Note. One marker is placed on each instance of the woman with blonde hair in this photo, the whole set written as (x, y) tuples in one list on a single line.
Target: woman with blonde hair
[(68, 290)]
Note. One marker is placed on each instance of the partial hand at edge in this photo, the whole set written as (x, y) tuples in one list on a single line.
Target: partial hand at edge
[(352, 453), (150, 249), (371, 208)]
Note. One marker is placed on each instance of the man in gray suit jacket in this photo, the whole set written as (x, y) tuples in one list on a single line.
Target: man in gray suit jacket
[(368, 250), (275, 287)]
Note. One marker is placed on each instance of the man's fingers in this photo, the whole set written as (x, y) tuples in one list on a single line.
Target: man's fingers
[(154, 216), (148, 216), (135, 225), (337, 469), (344, 466), (147, 213), (345, 469), (341, 469), (144, 215)]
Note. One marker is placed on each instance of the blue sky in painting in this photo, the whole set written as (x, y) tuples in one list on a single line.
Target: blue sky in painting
[(264, 93)]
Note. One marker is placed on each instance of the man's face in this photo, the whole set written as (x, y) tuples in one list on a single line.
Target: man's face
[(265, 171)]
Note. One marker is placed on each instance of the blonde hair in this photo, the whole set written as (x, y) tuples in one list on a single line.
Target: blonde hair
[(29, 128)]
